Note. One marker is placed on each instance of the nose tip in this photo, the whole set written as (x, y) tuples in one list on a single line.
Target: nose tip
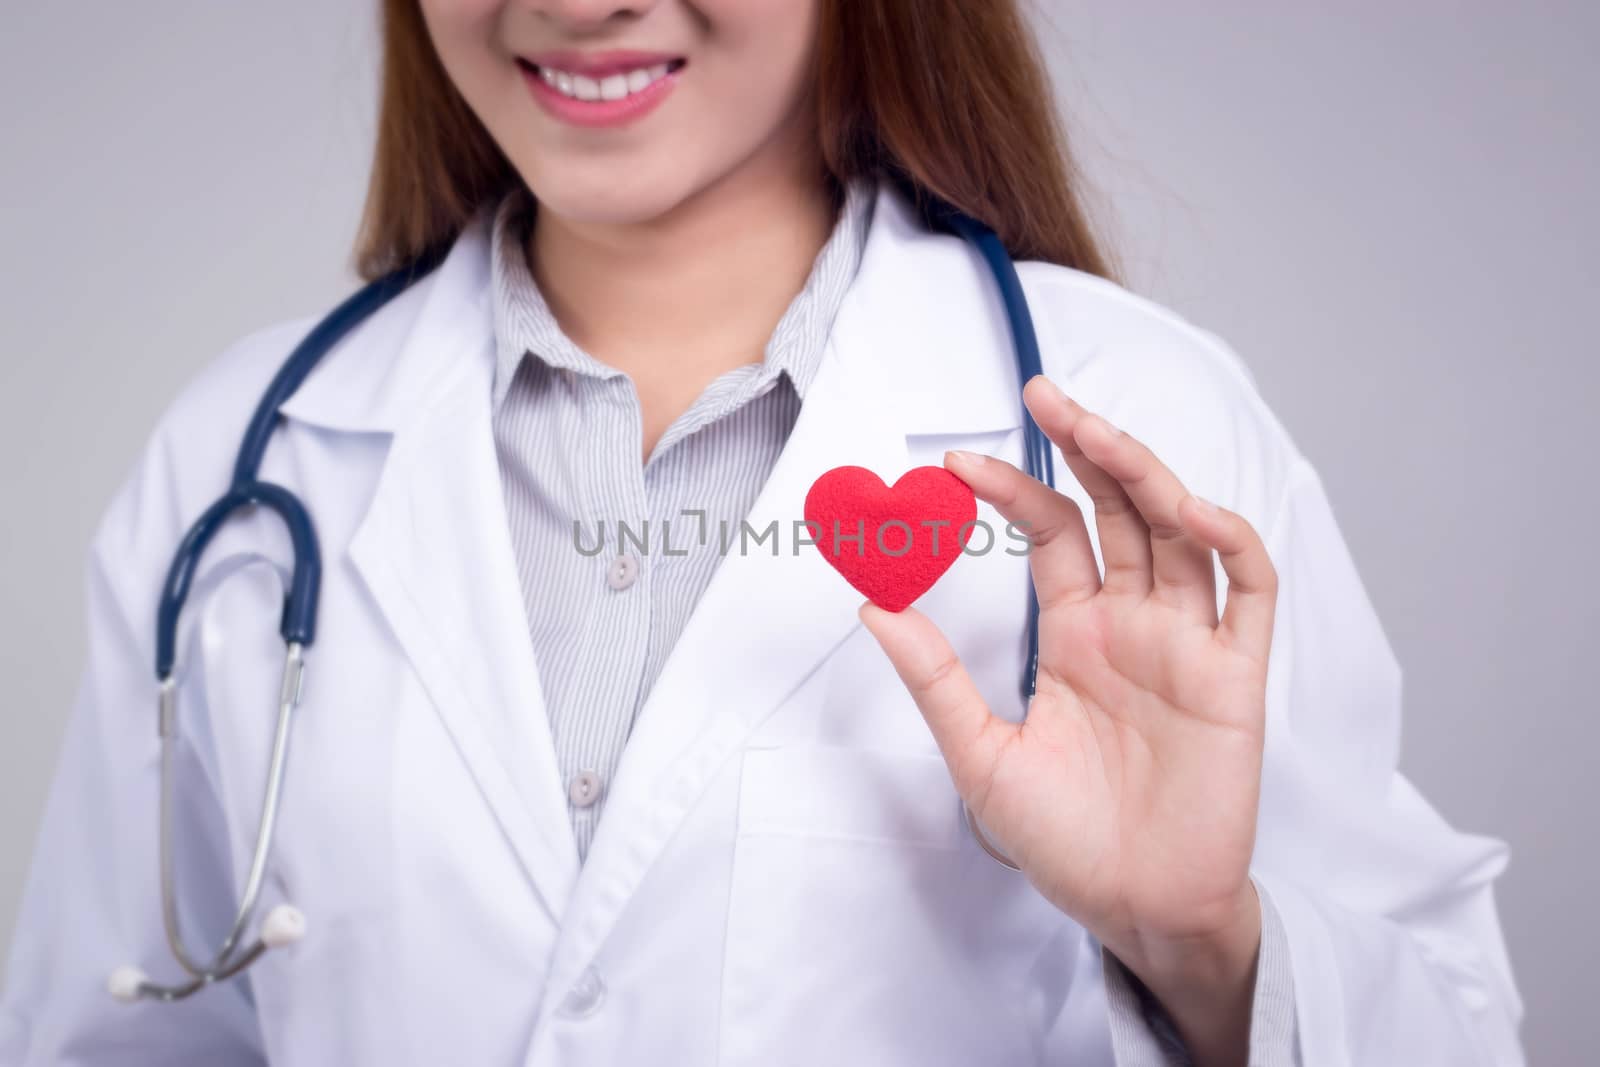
[(580, 15)]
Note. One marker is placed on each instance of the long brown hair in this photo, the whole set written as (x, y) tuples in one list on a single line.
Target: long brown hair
[(949, 99)]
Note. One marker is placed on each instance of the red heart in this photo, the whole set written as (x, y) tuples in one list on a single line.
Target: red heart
[(894, 560)]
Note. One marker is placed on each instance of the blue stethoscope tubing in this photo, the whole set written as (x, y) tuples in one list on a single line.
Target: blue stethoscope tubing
[(299, 620), (1037, 457)]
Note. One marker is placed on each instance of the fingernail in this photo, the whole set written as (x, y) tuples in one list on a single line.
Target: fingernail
[(1205, 505), (1111, 426), (964, 456)]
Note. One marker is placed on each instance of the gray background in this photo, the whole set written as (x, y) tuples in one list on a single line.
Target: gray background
[(1390, 214)]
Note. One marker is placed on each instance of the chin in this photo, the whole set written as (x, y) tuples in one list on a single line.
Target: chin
[(599, 195)]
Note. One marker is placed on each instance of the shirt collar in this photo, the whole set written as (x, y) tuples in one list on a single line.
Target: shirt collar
[(525, 326)]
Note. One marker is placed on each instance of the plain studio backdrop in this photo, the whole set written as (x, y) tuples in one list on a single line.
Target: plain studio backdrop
[(1388, 210)]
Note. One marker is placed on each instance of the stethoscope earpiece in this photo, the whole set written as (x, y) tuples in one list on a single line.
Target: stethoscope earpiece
[(127, 983), (284, 925)]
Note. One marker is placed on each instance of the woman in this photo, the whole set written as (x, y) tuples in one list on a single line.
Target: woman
[(689, 270)]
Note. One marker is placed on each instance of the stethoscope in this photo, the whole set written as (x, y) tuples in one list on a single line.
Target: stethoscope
[(284, 924)]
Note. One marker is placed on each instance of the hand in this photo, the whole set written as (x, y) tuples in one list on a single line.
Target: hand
[(1128, 795)]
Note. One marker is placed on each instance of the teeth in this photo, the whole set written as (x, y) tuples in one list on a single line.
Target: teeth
[(611, 87)]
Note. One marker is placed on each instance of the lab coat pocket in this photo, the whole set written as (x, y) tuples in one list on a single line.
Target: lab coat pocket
[(850, 794), (849, 938)]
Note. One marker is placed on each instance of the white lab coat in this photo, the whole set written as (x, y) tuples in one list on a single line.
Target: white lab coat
[(782, 875)]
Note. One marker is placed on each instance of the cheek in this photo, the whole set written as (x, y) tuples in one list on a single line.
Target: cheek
[(440, 12), (759, 55), (772, 15), (461, 32)]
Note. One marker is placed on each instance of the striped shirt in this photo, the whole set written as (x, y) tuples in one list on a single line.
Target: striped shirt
[(611, 566), (606, 604)]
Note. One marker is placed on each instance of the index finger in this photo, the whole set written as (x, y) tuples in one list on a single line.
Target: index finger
[(1177, 567)]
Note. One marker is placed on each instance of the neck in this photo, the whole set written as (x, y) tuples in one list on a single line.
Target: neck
[(697, 290)]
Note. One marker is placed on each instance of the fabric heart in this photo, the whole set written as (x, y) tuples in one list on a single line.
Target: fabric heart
[(891, 543)]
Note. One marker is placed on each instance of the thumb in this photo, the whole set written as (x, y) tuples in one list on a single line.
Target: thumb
[(968, 734)]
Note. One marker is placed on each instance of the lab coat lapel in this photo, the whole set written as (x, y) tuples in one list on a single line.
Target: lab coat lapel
[(434, 549), (909, 352)]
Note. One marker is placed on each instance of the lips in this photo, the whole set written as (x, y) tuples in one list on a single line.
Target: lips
[(600, 64), (600, 89)]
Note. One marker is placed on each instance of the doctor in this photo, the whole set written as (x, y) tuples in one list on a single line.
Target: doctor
[(1215, 856)]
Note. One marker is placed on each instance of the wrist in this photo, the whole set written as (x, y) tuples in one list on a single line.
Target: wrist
[(1205, 983)]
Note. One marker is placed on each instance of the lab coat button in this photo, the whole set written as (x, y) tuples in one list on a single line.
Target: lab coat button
[(584, 789), (621, 571), (586, 996)]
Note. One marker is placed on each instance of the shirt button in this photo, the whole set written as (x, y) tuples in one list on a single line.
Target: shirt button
[(621, 572), (586, 996), (584, 789)]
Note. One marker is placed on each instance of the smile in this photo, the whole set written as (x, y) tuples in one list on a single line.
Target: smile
[(616, 86)]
